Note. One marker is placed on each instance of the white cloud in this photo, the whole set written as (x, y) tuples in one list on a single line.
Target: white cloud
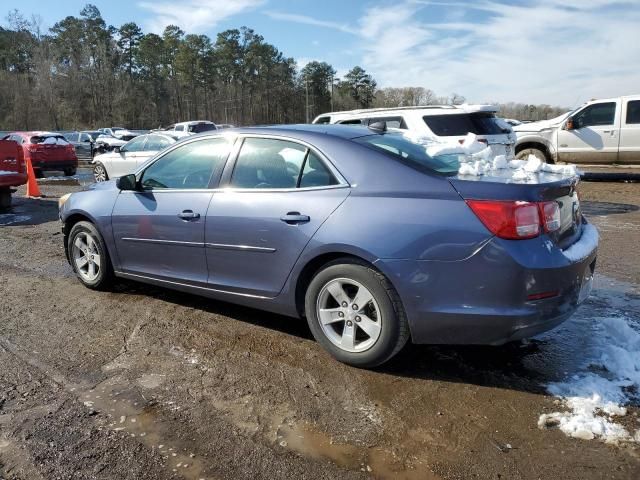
[(194, 16), (292, 17), (549, 51)]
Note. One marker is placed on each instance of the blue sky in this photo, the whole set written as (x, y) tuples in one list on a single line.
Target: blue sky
[(541, 51)]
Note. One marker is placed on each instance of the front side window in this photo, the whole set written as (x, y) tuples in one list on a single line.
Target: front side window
[(188, 166), (323, 120), (272, 163), (179, 128), (633, 112), (351, 122), (598, 114), (135, 145), (202, 127)]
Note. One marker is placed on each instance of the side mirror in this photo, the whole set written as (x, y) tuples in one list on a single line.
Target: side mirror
[(569, 125), (117, 149), (128, 182)]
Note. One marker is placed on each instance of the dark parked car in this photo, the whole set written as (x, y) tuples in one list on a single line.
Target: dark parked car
[(47, 151), (82, 141), (358, 230)]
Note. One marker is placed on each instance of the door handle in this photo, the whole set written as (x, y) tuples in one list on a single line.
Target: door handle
[(293, 218), (188, 215)]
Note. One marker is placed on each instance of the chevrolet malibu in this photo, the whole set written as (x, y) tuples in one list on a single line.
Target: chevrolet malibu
[(356, 229)]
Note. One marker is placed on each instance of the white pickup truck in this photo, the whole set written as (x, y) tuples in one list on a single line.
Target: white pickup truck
[(600, 131)]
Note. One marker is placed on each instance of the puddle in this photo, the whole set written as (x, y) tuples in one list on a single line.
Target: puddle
[(12, 218), (380, 463), (130, 412)]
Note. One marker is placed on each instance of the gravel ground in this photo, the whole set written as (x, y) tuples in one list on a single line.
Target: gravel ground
[(144, 382)]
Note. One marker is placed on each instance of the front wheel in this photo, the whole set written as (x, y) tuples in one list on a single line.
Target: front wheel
[(355, 314), (89, 257), (100, 173), (539, 154)]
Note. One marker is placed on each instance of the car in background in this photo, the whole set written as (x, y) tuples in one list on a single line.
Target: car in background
[(359, 230), (48, 151), (184, 129), (118, 132), (125, 159), (437, 123), (13, 171), (82, 142), (600, 131)]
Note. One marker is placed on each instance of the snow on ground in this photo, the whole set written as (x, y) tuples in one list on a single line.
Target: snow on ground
[(596, 397), (10, 218)]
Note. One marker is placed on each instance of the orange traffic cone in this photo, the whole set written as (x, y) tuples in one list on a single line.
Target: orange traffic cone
[(32, 184)]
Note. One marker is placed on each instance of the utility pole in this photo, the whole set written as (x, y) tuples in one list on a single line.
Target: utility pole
[(306, 95), (332, 92)]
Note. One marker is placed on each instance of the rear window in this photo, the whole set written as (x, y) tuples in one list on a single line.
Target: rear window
[(323, 120), (411, 154), (49, 139), (201, 127), (458, 125)]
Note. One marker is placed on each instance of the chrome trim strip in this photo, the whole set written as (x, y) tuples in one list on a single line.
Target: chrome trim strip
[(164, 242), (134, 276), (244, 248)]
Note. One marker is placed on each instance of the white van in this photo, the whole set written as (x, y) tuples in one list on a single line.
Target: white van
[(441, 123)]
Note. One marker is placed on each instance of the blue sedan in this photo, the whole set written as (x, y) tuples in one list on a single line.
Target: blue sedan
[(356, 229)]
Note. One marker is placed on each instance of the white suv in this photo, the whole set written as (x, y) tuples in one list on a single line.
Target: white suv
[(184, 129), (440, 123)]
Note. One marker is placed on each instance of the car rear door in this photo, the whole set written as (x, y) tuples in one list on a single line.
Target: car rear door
[(595, 135), (276, 197), (630, 133), (159, 229)]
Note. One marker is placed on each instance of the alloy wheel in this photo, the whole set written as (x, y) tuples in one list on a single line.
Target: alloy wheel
[(100, 173), (86, 256), (349, 315)]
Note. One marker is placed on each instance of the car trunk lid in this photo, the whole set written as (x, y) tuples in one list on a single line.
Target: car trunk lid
[(500, 185), (50, 148)]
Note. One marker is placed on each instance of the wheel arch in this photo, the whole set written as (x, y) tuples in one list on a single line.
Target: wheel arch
[(538, 145), (68, 224)]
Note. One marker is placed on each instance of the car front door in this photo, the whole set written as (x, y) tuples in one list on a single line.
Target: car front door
[(594, 137), (125, 161), (630, 133), (274, 201), (159, 229)]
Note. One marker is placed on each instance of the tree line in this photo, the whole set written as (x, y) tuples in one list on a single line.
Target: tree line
[(82, 73)]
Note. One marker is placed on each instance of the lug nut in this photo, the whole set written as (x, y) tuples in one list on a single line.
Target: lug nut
[(344, 304), (340, 314), (349, 323), (358, 319), (355, 307)]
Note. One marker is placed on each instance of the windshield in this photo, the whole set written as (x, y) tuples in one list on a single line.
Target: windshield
[(201, 127), (459, 124), (412, 154)]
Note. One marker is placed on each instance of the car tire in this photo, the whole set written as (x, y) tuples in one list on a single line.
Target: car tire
[(100, 172), (38, 173), (86, 247), (70, 172), (539, 154), (345, 337)]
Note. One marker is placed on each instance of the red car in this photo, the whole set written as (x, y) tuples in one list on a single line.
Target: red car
[(13, 171), (47, 151)]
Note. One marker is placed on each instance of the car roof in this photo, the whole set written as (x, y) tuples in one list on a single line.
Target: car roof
[(426, 109), (342, 131)]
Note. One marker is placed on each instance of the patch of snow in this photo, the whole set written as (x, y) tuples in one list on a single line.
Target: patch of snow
[(7, 172), (597, 396), (583, 247)]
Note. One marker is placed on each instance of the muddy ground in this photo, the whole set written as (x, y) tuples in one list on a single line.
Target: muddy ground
[(146, 383)]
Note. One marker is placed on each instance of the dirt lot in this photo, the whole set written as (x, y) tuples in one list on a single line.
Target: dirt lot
[(149, 383)]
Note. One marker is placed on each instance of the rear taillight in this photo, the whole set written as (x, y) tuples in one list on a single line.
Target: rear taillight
[(507, 219), (550, 213)]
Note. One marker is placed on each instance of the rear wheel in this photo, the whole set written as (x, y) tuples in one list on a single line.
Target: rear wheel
[(38, 173), (355, 314), (100, 173), (89, 257), (539, 154), (70, 172)]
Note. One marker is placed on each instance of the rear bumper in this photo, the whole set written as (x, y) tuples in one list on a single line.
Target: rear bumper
[(483, 299), (12, 180), (55, 164)]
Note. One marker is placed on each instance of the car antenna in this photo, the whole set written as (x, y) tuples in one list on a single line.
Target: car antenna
[(379, 127)]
